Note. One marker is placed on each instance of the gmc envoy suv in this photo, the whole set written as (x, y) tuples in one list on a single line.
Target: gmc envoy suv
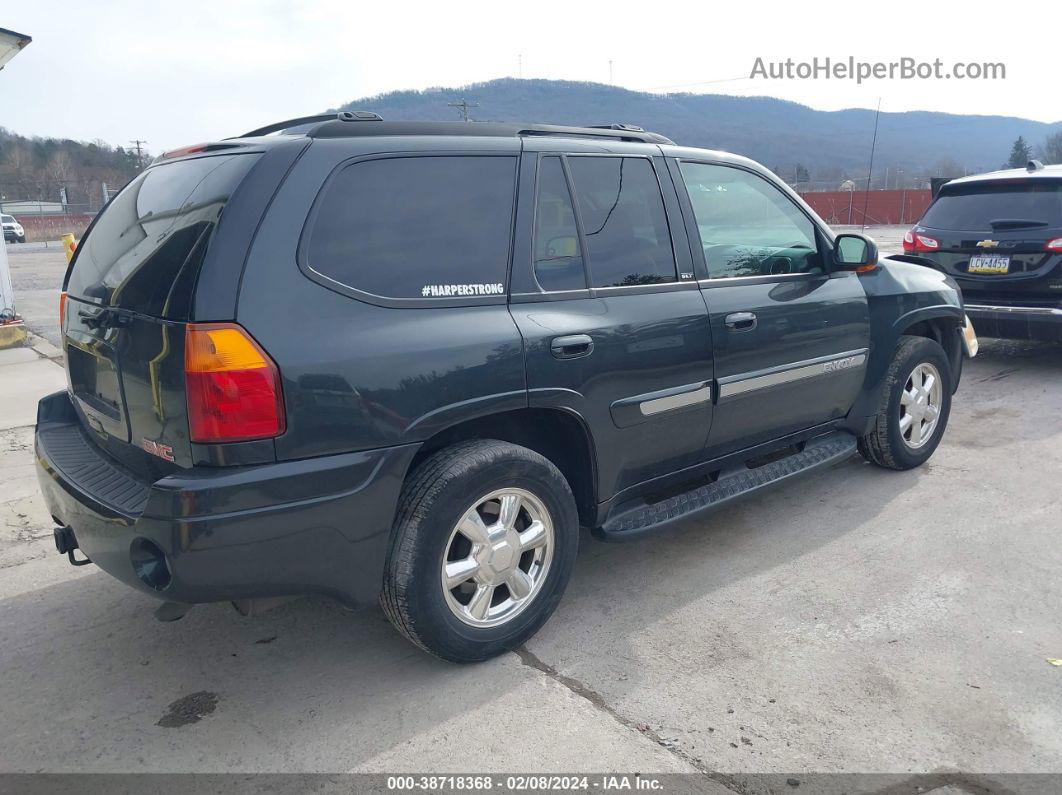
[(408, 361)]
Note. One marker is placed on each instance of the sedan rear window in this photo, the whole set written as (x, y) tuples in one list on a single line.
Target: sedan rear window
[(976, 207)]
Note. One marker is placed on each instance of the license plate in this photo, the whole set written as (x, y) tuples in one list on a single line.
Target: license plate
[(989, 263)]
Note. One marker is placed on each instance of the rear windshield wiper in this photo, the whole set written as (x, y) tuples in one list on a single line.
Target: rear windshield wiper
[(1015, 223)]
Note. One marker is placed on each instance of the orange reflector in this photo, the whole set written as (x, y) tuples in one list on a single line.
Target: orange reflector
[(62, 310), (217, 347)]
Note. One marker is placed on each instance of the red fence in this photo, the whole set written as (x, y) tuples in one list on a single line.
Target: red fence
[(52, 227), (883, 207), (835, 207)]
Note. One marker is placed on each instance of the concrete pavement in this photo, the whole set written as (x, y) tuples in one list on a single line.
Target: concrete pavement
[(854, 620)]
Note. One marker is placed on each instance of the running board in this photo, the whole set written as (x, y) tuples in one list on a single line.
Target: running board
[(639, 518)]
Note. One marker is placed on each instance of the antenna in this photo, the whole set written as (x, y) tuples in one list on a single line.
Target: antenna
[(464, 105), (870, 168)]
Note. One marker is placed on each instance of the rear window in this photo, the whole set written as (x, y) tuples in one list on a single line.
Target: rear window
[(144, 253), (975, 207), (417, 227)]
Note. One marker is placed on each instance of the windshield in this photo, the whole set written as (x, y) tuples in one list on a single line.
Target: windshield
[(7, 219), (144, 253), (1009, 205)]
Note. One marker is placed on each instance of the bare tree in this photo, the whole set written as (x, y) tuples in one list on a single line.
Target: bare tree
[(1051, 150), (60, 170), (948, 167)]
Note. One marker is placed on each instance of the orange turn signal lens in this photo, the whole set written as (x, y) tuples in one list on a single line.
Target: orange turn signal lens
[(232, 387), (217, 347), (62, 310)]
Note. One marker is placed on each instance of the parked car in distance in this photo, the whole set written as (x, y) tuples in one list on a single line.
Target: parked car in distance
[(999, 235), (407, 361), (13, 231)]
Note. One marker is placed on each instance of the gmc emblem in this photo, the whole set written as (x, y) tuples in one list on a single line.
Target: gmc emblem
[(163, 451)]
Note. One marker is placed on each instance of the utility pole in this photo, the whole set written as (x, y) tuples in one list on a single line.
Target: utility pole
[(464, 105), (139, 157), (610, 71)]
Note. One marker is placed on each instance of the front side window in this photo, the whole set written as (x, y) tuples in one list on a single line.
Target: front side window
[(624, 223), (558, 259), (417, 227), (748, 227)]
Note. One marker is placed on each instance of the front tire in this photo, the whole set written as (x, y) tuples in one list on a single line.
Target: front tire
[(483, 545), (914, 409)]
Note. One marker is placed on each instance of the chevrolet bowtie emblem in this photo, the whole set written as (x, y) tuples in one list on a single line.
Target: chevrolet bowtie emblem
[(988, 244)]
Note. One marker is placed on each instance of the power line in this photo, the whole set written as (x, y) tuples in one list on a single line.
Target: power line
[(699, 83)]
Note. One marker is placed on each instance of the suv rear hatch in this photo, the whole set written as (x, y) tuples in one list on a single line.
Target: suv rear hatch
[(994, 236), (130, 290)]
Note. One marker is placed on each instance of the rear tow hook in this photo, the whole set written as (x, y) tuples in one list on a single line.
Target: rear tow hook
[(66, 544)]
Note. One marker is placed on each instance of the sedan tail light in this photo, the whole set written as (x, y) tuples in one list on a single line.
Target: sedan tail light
[(1054, 245)]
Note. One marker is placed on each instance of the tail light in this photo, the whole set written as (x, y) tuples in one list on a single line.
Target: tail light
[(62, 310), (233, 387), (914, 243), (1054, 245)]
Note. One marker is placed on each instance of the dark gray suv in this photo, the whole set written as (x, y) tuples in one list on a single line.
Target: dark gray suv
[(409, 360)]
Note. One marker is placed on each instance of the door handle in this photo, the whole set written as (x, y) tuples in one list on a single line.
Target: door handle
[(741, 321), (572, 346)]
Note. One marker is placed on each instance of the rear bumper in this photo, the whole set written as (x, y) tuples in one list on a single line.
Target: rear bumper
[(320, 525), (1016, 322)]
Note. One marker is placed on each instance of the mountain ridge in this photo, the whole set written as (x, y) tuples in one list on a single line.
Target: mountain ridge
[(778, 133)]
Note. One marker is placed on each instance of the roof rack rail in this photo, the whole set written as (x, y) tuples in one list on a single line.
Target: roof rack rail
[(623, 132), (334, 125), (343, 115), (614, 126)]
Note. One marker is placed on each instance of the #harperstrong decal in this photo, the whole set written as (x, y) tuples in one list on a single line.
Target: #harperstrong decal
[(450, 290)]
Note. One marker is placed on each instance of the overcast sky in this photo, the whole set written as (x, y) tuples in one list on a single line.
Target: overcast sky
[(181, 72)]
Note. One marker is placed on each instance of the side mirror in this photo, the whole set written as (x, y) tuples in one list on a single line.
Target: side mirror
[(855, 252)]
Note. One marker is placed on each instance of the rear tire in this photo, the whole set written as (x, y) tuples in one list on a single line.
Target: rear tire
[(914, 409), (498, 523)]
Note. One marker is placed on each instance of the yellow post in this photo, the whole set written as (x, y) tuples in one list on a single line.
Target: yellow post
[(69, 245)]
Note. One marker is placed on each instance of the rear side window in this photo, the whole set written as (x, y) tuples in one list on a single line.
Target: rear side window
[(417, 227), (558, 260), (145, 251), (976, 207), (622, 212)]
